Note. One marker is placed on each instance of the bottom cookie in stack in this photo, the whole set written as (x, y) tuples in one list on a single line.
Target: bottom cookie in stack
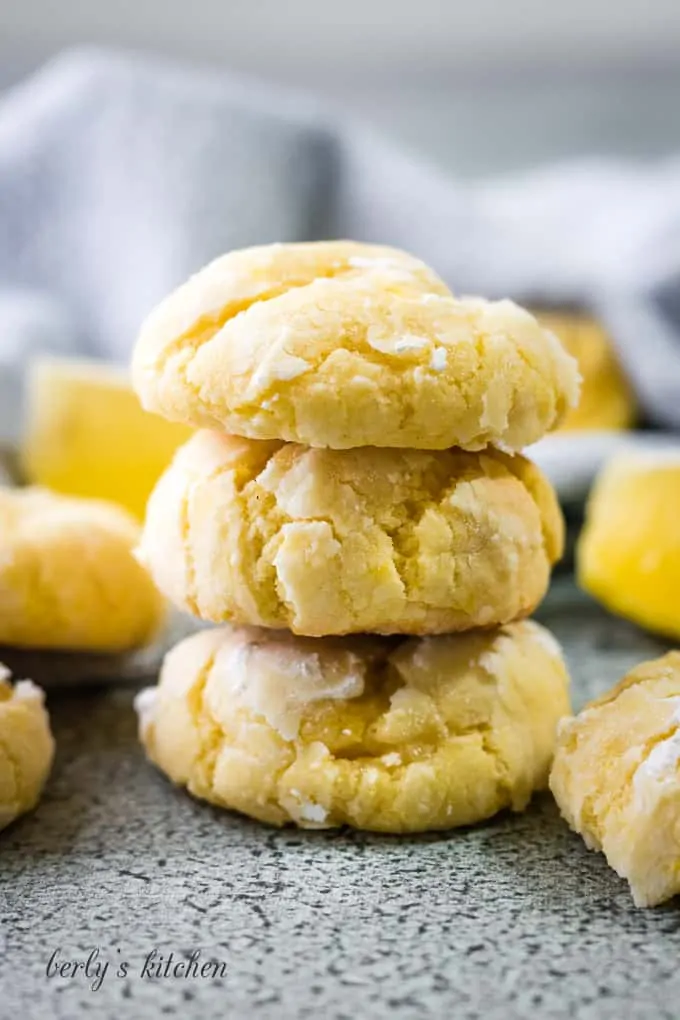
[(385, 734)]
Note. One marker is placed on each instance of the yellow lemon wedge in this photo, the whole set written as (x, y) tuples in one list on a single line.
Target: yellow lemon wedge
[(86, 435), (628, 555)]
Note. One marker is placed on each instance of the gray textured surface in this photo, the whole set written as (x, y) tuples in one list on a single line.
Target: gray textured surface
[(510, 919)]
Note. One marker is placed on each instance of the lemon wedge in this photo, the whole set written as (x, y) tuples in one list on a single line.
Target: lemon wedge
[(86, 435)]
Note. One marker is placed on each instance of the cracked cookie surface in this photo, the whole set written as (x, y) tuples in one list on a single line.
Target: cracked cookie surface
[(26, 747), (346, 541), (68, 575), (339, 344), (393, 735), (616, 778)]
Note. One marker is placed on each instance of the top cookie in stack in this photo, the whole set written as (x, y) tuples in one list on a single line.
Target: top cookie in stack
[(344, 345)]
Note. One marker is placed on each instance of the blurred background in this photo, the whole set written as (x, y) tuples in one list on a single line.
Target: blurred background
[(120, 178), (479, 87)]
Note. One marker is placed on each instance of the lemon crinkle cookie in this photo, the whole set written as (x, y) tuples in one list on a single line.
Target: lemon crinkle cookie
[(345, 541), (68, 575), (384, 734), (616, 778), (26, 747), (338, 344)]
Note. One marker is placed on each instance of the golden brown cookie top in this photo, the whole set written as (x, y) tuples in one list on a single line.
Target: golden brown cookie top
[(342, 345)]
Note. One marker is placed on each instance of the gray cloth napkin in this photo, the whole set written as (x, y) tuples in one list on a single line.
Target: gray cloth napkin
[(121, 175)]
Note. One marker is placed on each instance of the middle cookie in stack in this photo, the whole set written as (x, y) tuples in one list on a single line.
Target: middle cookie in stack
[(398, 516)]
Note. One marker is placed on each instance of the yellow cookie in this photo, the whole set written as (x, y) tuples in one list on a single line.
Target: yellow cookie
[(345, 541), (26, 747), (616, 778), (343, 345), (628, 555), (607, 400), (68, 576), (383, 734)]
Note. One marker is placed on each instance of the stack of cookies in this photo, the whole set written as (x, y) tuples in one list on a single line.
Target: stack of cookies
[(355, 513)]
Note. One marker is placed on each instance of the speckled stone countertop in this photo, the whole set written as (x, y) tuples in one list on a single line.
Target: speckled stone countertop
[(511, 919)]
